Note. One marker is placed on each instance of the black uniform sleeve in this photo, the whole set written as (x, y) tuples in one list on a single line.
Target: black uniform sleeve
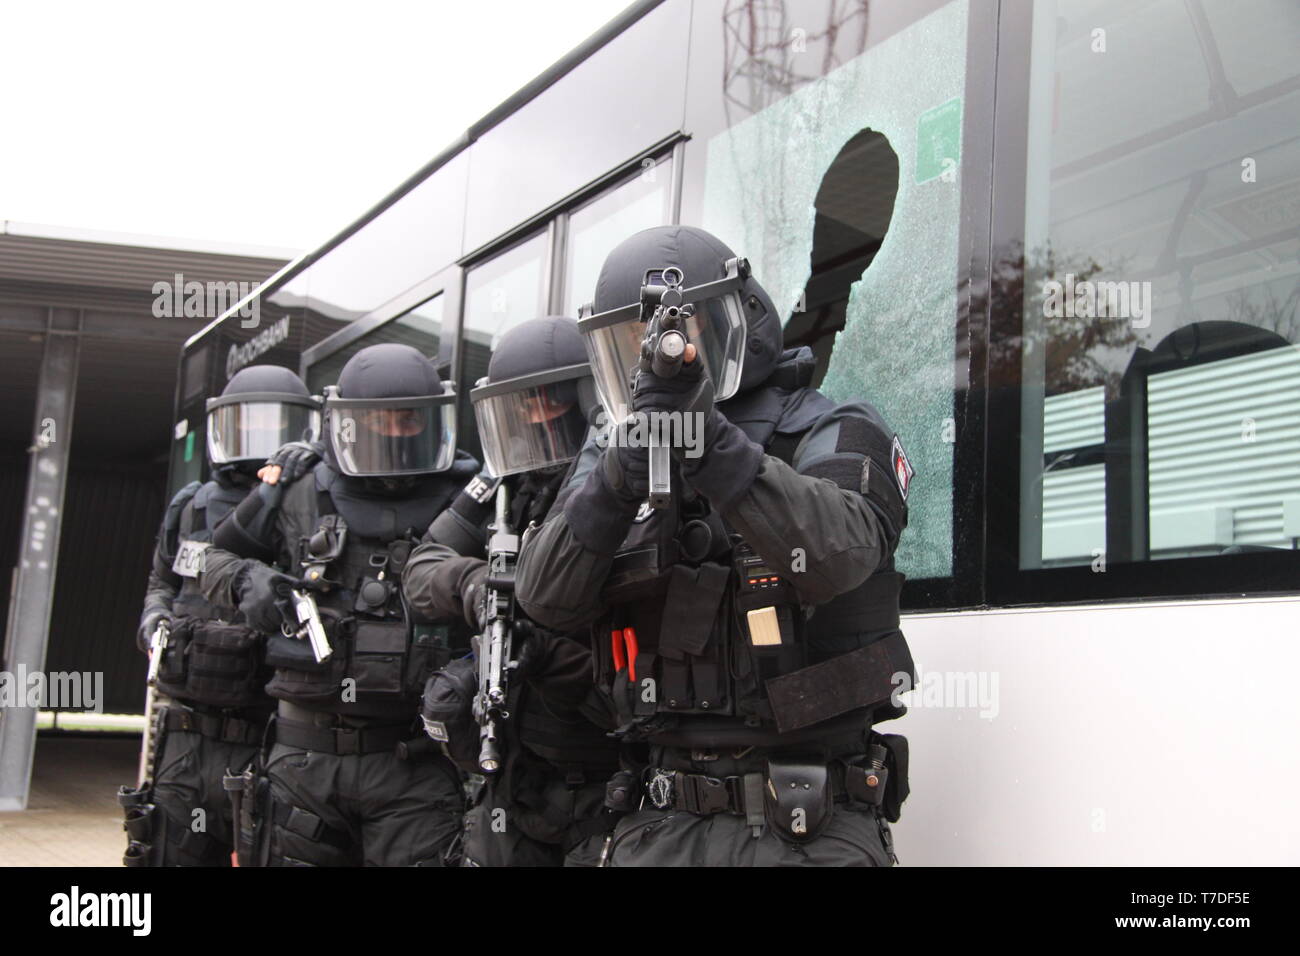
[(825, 524), (834, 519), (251, 531), (445, 574), (164, 583), (559, 578), (218, 578)]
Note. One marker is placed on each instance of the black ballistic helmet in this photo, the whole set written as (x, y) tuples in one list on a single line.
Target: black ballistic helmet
[(261, 408), (735, 326), (390, 415), (532, 407)]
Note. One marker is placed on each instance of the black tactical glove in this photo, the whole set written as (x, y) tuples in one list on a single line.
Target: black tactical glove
[(689, 392), (472, 592), (294, 460), (264, 598), (447, 711), (720, 462), (625, 471), (149, 622), (532, 646)]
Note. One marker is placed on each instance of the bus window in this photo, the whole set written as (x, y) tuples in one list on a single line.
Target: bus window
[(829, 158), (1158, 382), (600, 225), (500, 293), (420, 327)]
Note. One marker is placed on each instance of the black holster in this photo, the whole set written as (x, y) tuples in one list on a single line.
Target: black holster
[(140, 818), (798, 799), (249, 793)]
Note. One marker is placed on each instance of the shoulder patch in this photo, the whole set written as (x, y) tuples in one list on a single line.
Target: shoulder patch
[(902, 467), (482, 487)]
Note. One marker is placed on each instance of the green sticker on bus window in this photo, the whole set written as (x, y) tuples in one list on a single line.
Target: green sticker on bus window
[(938, 141), (189, 447)]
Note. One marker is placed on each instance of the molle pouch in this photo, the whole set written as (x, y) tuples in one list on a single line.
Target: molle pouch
[(378, 655), (430, 651), (298, 675), (174, 668), (896, 787), (636, 574), (224, 664), (797, 799), (691, 608), (295, 654)]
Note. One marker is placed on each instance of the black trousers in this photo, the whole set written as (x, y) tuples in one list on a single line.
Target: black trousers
[(192, 822), (532, 827), (361, 809), (855, 836)]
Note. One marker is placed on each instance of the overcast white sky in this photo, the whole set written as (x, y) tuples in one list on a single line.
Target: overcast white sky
[(271, 123)]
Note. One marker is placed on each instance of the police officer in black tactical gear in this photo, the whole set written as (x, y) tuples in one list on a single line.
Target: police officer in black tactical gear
[(546, 799), (350, 778), (746, 634), (211, 665)]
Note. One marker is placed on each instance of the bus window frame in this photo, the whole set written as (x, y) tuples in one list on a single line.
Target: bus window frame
[(447, 282), (1006, 584)]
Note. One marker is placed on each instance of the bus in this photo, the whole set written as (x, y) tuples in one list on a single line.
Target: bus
[(1055, 243)]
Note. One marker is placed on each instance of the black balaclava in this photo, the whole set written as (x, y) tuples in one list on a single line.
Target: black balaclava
[(702, 258)]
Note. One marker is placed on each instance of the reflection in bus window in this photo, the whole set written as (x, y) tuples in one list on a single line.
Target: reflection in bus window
[(840, 154), (420, 328), (1160, 401), (603, 223), (499, 294)]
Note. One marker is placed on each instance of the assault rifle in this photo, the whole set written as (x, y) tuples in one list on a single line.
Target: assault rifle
[(663, 348), (495, 646)]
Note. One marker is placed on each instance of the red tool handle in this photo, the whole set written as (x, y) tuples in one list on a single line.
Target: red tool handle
[(629, 638), (616, 644)]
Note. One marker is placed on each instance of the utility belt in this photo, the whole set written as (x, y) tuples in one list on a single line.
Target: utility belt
[(792, 794), (329, 733), (229, 727)]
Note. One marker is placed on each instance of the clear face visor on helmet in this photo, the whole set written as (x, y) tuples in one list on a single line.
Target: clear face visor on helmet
[(533, 421), (387, 437), (715, 325), (252, 425)]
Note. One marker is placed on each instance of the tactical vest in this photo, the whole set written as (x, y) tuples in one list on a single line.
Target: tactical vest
[(207, 660), (721, 652), (381, 656)]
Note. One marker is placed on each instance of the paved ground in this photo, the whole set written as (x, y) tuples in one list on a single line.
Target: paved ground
[(72, 818)]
